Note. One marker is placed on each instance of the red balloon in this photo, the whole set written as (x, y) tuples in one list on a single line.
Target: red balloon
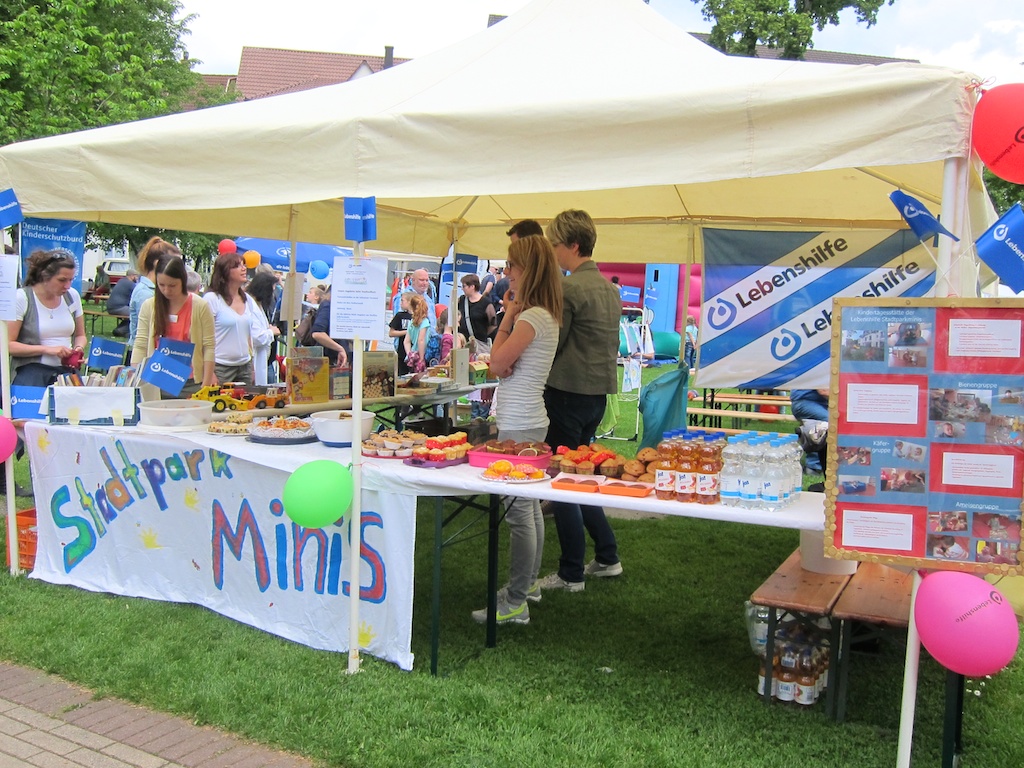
[(227, 246), (998, 131)]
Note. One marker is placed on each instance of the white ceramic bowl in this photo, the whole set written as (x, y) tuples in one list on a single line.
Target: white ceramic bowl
[(176, 413), (335, 427)]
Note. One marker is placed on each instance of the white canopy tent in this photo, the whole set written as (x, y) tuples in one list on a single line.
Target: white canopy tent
[(594, 104)]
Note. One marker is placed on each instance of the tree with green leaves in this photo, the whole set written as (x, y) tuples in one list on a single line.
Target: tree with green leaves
[(68, 65), (740, 25)]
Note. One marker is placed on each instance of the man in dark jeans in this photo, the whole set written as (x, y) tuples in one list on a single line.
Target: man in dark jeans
[(583, 374)]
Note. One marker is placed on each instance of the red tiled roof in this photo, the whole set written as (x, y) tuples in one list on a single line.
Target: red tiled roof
[(811, 54), (271, 71)]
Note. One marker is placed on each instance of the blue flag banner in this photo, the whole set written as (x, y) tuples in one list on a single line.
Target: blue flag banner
[(629, 294), (766, 319), (360, 219), (1002, 248), (180, 350), (10, 209), (465, 263), (918, 217), (166, 372), (50, 235), (104, 353), (28, 402)]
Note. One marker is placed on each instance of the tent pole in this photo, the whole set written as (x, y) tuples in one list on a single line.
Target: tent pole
[(14, 262), (355, 521), (293, 216), (908, 705), (953, 278)]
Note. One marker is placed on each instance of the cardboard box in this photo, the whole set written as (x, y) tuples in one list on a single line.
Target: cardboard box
[(309, 380), (477, 372), (380, 371)]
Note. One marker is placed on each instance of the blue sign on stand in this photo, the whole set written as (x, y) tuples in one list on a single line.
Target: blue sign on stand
[(180, 350), (103, 353), (28, 402), (360, 219), (167, 372)]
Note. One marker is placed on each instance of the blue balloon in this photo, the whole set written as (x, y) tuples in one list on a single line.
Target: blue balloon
[(319, 269)]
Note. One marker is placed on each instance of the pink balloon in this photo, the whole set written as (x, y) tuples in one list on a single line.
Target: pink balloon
[(965, 623), (997, 131), (227, 246), (8, 438)]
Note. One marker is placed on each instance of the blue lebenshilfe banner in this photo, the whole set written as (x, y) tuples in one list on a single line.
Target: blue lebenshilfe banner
[(1002, 248), (767, 313)]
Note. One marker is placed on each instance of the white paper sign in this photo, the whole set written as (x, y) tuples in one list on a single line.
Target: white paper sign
[(878, 530), (882, 404), (359, 298), (981, 470), (8, 287), (982, 337)]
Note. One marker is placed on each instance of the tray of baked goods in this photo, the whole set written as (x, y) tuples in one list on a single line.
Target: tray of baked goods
[(533, 452)]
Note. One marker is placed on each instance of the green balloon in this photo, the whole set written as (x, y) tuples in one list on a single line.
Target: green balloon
[(318, 493)]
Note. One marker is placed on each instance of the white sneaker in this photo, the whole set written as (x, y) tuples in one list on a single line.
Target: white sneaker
[(600, 570), (554, 581), (506, 613)]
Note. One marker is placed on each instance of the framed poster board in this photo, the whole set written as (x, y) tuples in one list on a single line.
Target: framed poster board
[(926, 433)]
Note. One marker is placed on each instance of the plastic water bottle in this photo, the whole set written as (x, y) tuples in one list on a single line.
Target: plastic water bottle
[(795, 468), (729, 478), (775, 478), (750, 475)]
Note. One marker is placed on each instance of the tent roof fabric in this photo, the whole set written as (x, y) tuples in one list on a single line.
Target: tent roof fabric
[(486, 132)]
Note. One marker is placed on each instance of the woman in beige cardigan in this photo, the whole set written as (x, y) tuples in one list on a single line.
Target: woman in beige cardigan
[(175, 313)]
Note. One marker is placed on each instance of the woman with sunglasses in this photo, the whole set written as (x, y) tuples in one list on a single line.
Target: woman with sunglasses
[(235, 315), (48, 333)]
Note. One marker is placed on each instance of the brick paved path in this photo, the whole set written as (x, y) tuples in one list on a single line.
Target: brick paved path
[(48, 723)]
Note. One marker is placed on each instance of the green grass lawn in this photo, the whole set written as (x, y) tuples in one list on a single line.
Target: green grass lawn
[(652, 668), (649, 669)]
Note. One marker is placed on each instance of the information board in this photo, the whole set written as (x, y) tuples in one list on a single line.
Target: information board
[(926, 433)]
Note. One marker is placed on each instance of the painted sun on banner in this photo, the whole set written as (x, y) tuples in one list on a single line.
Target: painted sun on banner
[(767, 312)]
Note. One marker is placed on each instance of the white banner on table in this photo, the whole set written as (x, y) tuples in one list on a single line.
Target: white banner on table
[(166, 519)]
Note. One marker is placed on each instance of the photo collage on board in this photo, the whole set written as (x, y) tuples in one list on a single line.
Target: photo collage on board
[(930, 434)]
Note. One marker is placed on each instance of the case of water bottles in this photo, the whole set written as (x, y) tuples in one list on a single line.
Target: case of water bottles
[(761, 472)]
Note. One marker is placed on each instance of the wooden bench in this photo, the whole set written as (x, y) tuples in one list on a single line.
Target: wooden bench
[(94, 314), (712, 417), (804, 594), (877, 598)]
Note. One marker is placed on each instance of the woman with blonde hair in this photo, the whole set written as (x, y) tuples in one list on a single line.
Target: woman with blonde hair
[(521, 355)]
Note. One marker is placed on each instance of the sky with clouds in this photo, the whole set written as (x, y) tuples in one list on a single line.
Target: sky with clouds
[(985, 37)]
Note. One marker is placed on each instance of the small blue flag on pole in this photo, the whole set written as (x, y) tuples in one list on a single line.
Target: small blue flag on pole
[(918, 217), (1002, 248)]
